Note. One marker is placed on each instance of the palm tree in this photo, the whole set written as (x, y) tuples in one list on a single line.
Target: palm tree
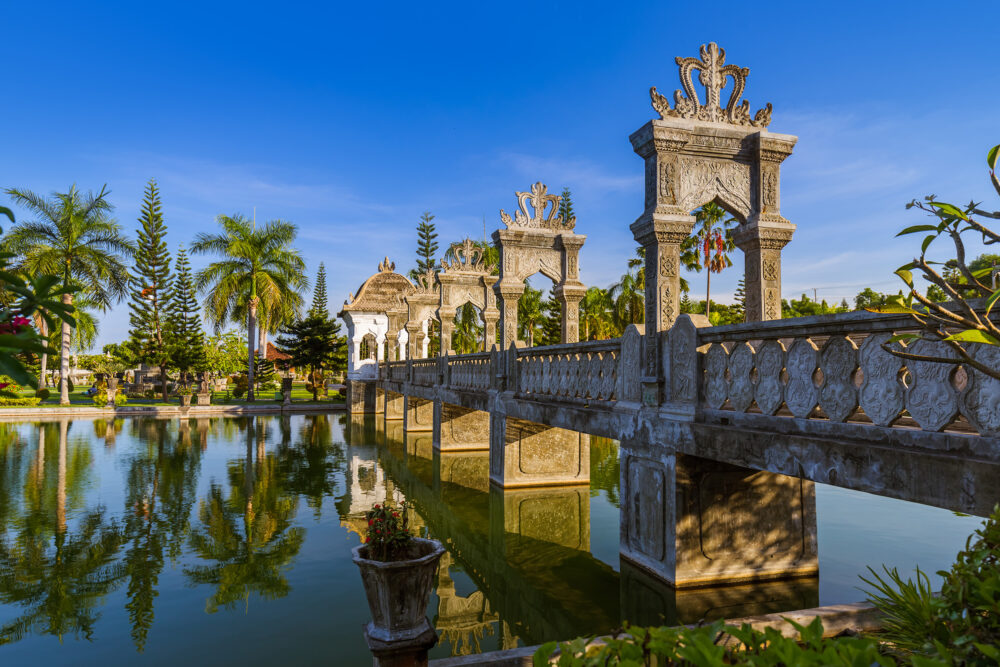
[(529, 313), (709, 245), (468, 333), (75, 238), (628, 294), (596, 314), (259, 271)]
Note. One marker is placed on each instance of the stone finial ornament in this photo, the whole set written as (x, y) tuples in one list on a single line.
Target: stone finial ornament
[(386, 266), (713, 73), (540, 199), (425, 281), (468, 259)]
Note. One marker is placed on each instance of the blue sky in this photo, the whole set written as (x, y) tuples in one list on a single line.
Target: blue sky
[(350, 119)]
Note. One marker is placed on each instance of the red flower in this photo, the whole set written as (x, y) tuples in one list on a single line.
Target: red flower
[(395, 515), (369, 522)]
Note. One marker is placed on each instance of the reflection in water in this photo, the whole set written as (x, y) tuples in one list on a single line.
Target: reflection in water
[(148, 524)]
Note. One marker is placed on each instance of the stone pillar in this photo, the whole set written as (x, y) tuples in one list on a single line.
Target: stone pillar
[(508, 296), (447, 317), (423, 339), (693, 522), (490, 314), (412, 333), (418, 414), (460, 429), (570, 296), (761, 246), (525, 454), (391, 344)]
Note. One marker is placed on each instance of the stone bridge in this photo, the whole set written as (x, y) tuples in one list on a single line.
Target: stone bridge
[(719, 457)]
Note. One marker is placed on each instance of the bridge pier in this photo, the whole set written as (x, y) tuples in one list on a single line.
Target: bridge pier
[(420, 444), (694, 522), (363, 397), (418, 414), (395, 405), (470, 469), (525, 454), (457, 428), (523, 519)]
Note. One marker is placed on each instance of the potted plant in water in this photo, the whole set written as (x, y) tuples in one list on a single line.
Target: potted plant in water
[(185, 393), (397, 571)]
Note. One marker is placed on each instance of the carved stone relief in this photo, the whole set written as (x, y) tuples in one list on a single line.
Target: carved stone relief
[(668, 266), (769, 360), (838, 397), (740, 385), (881, 394), (716, 384), (771, 306), (981, 397), (801, 395), (770, 269), (770, 188), (703, 180), (930, 398), (683, 361), (666, 306)]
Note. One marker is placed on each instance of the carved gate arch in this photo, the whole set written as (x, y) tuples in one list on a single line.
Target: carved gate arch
[(467, 280), (535, 243), (696, 153)]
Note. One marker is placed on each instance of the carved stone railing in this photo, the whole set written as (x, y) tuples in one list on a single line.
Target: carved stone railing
[(426, 372), (833, 368), (470, 371), (576, 372), (395, 371)]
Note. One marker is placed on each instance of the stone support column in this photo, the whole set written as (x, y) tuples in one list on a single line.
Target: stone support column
[(694, 522), (418, 414), (395, 407), (525, 454), (460, 429), (423, 339)]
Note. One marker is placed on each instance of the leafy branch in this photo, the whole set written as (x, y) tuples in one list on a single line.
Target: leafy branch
[(962, 320)]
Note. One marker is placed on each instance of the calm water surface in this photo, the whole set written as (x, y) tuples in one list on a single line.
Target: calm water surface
[(143, 541)]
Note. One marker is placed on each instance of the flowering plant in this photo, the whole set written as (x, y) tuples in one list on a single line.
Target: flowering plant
[(388, 536)]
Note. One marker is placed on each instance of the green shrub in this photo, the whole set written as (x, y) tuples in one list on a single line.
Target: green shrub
[(960, 626), (120, 399), (149, 393), (704, 646), (43, 394), (100, 397), (20, 401)]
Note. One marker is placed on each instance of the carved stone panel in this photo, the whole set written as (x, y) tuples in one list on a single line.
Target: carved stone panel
[(702, 181), (801, 394), (716, 384), (981, 397), (930, 398), (740, 384), (683, 361), (770, 360), (839, 397), (881, 395)]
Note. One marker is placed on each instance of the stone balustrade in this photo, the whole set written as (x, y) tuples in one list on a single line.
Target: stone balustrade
[(425, 372), (576, 372), (834, 368), (470, 371)]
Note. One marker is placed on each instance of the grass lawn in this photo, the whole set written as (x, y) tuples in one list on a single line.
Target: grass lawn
[(300, 396)]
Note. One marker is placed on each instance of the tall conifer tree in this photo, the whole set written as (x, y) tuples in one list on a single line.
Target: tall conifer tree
[(427, 245), (566, 205), (187, 340), (319, 304), (150, 286)]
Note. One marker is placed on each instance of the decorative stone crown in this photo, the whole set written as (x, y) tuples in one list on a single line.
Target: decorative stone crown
[(468, 259), (713, 73), (425, 281), (386, 266), (539, 198)]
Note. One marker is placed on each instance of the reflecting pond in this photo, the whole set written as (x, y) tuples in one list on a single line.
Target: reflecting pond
[(164, 541)]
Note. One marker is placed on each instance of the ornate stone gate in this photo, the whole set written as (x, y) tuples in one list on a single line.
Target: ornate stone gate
[(467, 280), (421, 307), (698, 153), (539, 243)]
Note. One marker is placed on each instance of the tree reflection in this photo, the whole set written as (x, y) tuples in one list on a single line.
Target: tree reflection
[(309, 466), (160, 492), (61, 585), (248, 538)]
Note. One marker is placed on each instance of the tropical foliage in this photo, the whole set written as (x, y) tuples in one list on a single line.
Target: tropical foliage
[(959, 324)]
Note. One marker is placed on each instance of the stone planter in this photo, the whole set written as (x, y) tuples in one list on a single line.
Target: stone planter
[(398, 592), (185, 400)]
